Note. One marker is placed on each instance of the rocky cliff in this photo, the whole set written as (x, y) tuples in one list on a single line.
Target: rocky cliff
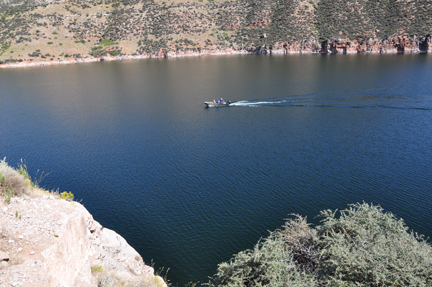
[(53, 242)]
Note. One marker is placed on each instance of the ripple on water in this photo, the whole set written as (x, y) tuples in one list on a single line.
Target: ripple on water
[(189, 186)]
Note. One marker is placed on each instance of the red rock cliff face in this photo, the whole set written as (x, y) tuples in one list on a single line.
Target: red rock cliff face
[(392, 45), (396, 44)]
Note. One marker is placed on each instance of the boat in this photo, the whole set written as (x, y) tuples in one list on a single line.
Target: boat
[(217, 105)]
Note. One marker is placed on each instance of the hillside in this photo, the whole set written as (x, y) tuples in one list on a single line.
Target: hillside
[(61, 30)]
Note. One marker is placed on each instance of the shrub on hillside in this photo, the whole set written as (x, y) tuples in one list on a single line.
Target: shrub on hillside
[(11, 179), (274, 260), (367, 246), (358, 246), (17, 182)]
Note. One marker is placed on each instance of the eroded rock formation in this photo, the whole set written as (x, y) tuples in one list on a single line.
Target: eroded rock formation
[(50, 242)]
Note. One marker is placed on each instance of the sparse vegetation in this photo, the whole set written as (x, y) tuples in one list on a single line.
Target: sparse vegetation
[(97, 268), (17, 182), (23, 171), (111, 279), (8, 195), (107, 42), (13, 182), (358, 246), (67, 195), (3, 49), (157, 27)]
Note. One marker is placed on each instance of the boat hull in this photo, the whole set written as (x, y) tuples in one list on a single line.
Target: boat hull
[(216, 105)]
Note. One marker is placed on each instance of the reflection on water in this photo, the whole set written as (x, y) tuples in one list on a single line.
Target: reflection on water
[(189, 186)]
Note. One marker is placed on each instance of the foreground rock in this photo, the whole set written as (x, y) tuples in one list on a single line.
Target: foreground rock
[(50, 242)]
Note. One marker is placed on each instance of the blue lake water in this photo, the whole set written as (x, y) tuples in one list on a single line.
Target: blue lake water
[(189, 186)]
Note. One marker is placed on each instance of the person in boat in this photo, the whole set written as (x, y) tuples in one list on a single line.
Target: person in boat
[(214, 102), (221, 101)]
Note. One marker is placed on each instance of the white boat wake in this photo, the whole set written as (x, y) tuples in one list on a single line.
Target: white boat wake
[(371, 98), (253, 103)]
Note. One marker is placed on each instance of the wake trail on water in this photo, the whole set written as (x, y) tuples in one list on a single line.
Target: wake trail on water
[(379, 98)]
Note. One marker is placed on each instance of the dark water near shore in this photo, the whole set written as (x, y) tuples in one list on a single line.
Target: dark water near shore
[(189, 186)]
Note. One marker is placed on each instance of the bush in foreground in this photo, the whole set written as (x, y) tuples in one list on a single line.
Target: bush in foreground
[(17, 182), (11, 180), (358, 246)]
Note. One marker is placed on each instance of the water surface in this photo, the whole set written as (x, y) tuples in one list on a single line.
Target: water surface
[(189, 186)]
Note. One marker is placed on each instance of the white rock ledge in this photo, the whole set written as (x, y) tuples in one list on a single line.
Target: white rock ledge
[(49, 242)]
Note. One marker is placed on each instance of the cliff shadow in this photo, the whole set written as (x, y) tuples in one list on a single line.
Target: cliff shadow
[(400, 45), (424, 44), (333, 48), (324, 49), (285, 47)]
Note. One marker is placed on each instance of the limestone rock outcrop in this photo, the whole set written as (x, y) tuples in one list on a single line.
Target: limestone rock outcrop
[(56, 243)]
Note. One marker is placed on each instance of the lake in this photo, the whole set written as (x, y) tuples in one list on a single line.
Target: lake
[(189, 186)]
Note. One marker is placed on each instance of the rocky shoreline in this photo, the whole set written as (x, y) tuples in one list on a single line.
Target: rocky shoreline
[(374, 46), (46, 241), (118, 58)]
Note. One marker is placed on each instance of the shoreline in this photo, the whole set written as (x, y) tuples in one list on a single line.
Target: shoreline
[(25, 64)]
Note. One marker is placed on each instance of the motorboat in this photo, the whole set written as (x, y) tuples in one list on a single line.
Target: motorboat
[(217, 105)]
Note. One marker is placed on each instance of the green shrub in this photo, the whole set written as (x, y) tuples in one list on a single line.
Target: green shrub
[(55, 33), (367, 246), (50, 43), (358, 246)]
